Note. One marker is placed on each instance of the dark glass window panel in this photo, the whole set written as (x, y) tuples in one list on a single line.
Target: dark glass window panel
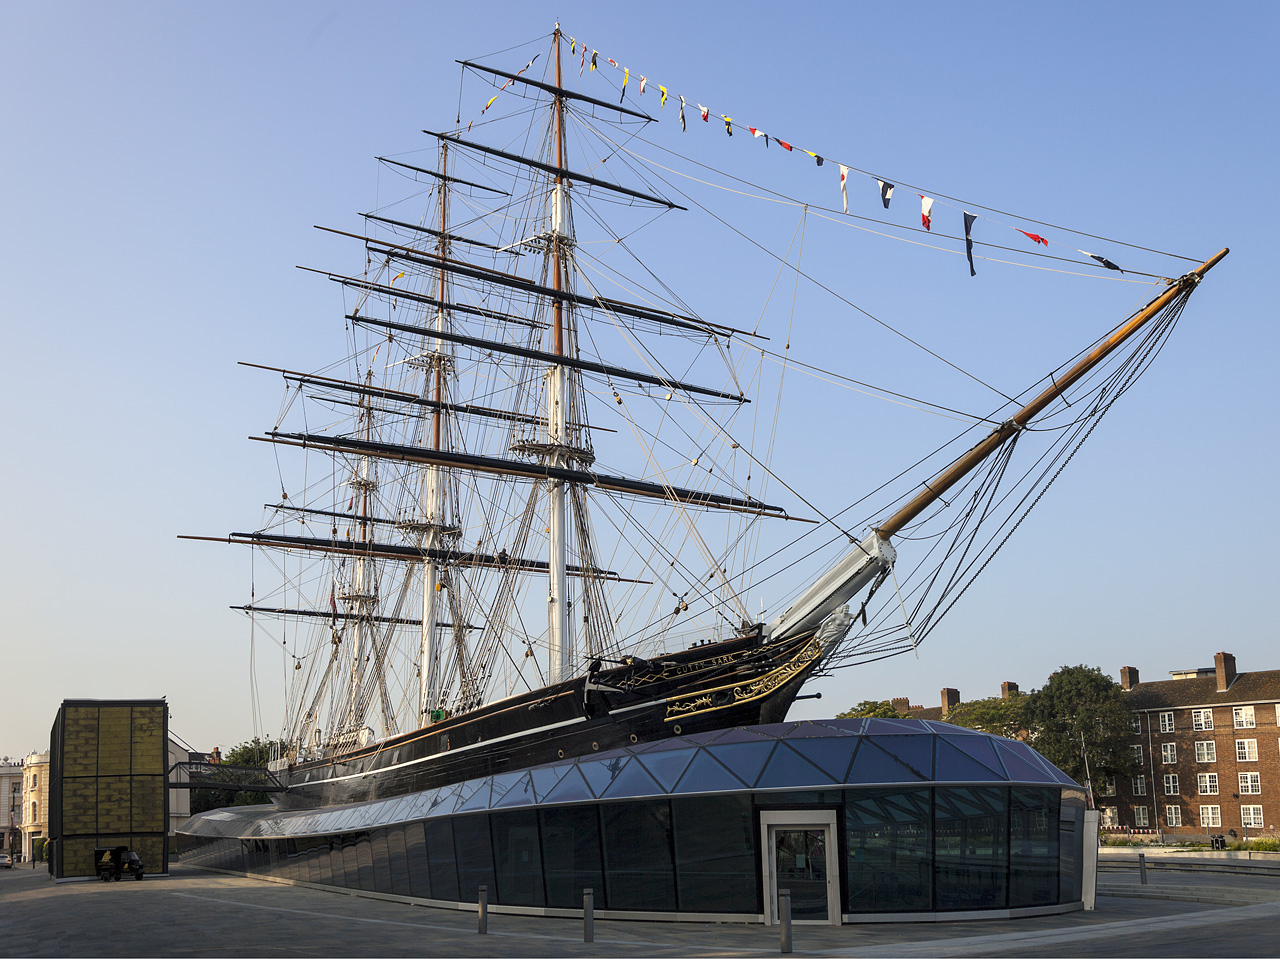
[(800, 863), (1019, 766), (786, 768), (981, 749), (381, 861), (854, 726), (889, 835), (444, 800), (364, 860), (871, 764), (442, 860), (634, 780), (350, 863), (891, 727), (744, 760), (332, 871), (639, 873), (915, 751), (546, 778), (397, 861), (800, 797), (832, 754), (707, 774), (955, 766), (513, 789), (474, 796), (415, 855), (667, 766), (571, 854), (600, 774), (1033, 846), (715, 854), (740, 734), (475, 856), (971, 847), (571, 788), (1071, 847), (517, 858), (777, 730)]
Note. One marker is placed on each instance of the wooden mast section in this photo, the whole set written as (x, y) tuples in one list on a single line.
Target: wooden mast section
[(938, 486)]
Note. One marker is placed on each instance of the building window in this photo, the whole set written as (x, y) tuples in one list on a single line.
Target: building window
[(1140, 816), (1206, 751), (1211, 816), (1202, 719), (1168, 753), (1110, 817), (1173, 815), (1250, 784), (1137, 754), (1243, 715), (1171, 785), (1207, 784), (1139, 785), (1107, 786), (1247, 750), (1166, 722), (34, 817), (1251, 815), (1135, 722)]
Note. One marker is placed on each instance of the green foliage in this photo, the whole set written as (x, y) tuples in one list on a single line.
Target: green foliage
[(998, 716), (1267, 844), (37, 849), (1081, 705), (870, 709), (257, 752)]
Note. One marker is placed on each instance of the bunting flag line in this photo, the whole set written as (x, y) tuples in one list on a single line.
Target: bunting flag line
[(844, 185), (593, 60), (1101, 259), (626, 75), (663, 90), (886, 192), (758, 134), (489, 104), (783, 143), (968, 240), (926, 211), (583, 62), (815, 156), (728, 124), (396, 277), (705, 111), (683, 128), (1034, 238), (613, 63), (643, 81)]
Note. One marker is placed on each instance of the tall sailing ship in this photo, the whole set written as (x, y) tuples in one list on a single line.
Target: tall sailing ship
[(525, 525)]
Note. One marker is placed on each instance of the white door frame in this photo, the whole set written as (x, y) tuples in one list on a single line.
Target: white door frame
[(771, 820)]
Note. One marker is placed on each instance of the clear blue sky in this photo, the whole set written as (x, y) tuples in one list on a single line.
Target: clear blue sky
[(163, 164)]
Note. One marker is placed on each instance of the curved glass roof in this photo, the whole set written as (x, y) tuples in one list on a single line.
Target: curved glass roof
[(796, 755)]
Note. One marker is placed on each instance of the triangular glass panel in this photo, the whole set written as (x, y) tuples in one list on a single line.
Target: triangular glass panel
[(634, 780), (831, 754), (707, 774), (599, 773), (667, 766), (546, 778), (778, 730), (479, 798), (572, 788), (740, 734), (788, 768), (815, 729), (519, 792), (848, 726), (890, 727), (955, 766), (950, 730), (745, 760), (660, 745), (873, 765), (1020, 768), (916, 751), (981, 748), (504, 781)]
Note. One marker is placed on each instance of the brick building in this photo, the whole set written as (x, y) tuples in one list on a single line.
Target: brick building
[(1208, 744)]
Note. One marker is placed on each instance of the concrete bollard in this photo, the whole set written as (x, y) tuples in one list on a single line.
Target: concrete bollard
[(784, 918), (482, 912), (1142, 867), (588, 915)]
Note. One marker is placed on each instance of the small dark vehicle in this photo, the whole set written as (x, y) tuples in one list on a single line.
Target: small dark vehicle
[(115, 861)]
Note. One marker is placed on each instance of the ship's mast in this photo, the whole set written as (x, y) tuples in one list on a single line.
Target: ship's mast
[(559, 641)]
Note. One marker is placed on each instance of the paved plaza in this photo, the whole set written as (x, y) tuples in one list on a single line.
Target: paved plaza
[(195, 913)]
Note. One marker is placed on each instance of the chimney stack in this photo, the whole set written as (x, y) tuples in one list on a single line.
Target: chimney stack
[(902, 704), (1128, 677), (1006, 689), (950, 700), (1226, 665)]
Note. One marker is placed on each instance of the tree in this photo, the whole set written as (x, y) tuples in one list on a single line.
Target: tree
[(871, 708), (998, 716), (256, 753), (1080, 706)]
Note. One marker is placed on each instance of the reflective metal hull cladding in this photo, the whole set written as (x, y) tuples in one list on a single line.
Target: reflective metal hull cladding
[(739, 682)]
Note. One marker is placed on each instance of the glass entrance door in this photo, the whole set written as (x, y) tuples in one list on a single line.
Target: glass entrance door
[(800, 862)]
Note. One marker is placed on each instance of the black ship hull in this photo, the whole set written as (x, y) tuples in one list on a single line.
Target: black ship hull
[(738, 682)]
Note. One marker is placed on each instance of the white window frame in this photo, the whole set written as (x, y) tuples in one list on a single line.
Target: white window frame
[(1173, 816), (1206, 751), (1135, 721), (1171, 784), (1166, 722), (1110, 816), (1250, 784), (1202, 719), (1243, 717), (1168, 753), (1106, 786), (1211, 817), (1140, 817), (1136, 750), (1139, 785), (1207, 784), (1246, 750), (1251, 816)]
